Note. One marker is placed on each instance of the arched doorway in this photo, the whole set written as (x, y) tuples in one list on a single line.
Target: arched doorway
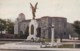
[(27, 31), (21, 32), (32, 29), (38, 32)]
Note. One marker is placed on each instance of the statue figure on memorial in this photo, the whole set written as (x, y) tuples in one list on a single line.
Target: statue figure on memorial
[(33, 9)]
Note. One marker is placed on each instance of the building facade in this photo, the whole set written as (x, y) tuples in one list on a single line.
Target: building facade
[(43, 26)]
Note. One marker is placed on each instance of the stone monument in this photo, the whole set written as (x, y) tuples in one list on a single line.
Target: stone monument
[(32, 30), (33, 24)]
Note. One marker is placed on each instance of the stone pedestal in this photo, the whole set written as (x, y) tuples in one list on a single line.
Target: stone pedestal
[(33, 33)]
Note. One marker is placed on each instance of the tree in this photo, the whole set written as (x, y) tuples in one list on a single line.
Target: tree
[(9, 26), (2, 25), (77, 27)]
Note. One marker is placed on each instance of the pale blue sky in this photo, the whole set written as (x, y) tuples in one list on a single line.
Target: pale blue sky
[(63, 8)]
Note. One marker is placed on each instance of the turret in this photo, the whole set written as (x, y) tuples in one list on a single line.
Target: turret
[(21, 17)]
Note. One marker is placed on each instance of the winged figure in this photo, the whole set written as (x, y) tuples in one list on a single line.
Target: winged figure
[(34, 9)]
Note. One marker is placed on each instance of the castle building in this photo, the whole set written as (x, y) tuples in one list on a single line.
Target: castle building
[(42, 27)]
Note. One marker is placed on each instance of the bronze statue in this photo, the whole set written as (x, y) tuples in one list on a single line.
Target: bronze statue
[(33, 9)]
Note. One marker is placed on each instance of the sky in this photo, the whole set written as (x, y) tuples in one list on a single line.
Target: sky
[(70, 9)]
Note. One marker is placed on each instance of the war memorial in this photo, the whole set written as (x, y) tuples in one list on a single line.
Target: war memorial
[(49, 30), (41, 27)]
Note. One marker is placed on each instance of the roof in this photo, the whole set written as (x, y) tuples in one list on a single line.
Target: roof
[(28, 20)]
